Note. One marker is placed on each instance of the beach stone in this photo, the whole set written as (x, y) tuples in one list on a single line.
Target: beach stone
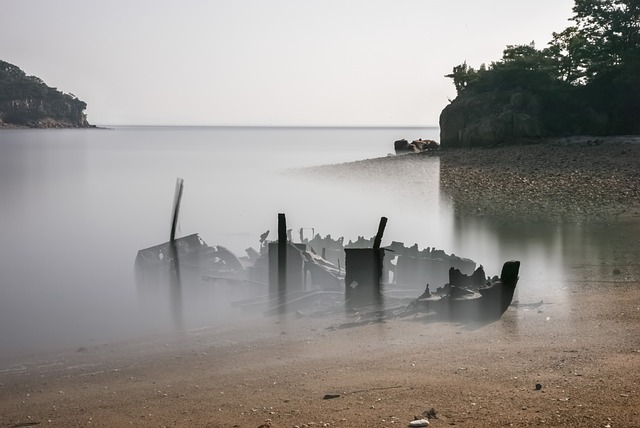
[(560, 181)]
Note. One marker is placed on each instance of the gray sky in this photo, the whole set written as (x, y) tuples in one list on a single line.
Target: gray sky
[(266, 62)]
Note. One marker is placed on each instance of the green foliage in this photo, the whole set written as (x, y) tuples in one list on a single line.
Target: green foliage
[(611, 30), (524, 57), (462, 75), (568, 50), (588, 75)]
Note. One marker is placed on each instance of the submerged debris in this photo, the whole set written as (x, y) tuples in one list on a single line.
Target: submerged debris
[(193, 254)]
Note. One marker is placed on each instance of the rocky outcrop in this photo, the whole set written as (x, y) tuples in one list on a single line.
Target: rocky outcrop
[(490, 118), (514, 106), (26, 101)]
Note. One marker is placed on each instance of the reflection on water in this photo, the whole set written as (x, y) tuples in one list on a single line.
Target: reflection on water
[(557, 260), (77, 205)]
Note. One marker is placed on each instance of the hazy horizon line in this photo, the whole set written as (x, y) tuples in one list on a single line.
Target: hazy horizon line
[(274, 126)]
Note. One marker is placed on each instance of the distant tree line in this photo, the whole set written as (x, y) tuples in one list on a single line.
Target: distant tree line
[(587, 78), (25, 100)]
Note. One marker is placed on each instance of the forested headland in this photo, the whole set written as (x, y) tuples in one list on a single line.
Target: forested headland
[(26, 101)]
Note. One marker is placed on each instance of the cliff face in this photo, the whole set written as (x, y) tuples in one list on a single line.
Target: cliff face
[(28, 101), (490, 118)]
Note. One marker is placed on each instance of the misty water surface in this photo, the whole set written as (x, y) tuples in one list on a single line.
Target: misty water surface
[(76, 206)]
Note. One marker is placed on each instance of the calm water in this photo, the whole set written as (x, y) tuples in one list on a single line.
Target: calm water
[(76, 205)]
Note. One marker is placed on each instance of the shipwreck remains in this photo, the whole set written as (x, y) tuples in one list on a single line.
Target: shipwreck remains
[(284, 275)]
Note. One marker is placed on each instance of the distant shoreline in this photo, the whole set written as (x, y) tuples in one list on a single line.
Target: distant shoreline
[(240, 126), (13, 126)]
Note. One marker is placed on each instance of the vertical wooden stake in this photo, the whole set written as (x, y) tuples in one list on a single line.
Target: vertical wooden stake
[(174, 274), (177, 197), (282, 254), (378, 240)]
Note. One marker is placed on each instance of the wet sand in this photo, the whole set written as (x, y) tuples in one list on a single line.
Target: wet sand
[(581, 345)]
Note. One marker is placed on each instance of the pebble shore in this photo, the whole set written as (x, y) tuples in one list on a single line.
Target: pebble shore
[(569, 180)]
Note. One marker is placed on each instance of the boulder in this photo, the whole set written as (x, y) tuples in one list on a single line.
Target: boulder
[(401, 146)]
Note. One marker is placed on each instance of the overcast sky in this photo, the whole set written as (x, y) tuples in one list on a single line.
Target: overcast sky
[(266, 62)]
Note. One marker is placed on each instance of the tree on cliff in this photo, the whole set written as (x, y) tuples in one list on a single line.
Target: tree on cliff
[(28, 101), (587, 80), (602, 54), (606, 37), (608, 34)]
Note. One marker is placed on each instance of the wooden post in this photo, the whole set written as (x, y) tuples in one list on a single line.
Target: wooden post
[(282, 254), (378, 240), (177, 197), (174, 274)]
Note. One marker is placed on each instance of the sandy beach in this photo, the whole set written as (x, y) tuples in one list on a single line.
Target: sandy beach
[(570, 360), (583, 353)]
